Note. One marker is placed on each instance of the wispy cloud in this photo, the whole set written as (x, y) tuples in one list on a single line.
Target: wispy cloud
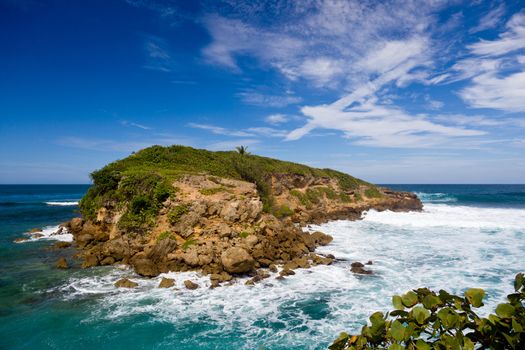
[(219, 130), (136, 125), (248, 132), (157, 55), (490, 20), (265, 100), (108, 145), (230, 144), (276, 119), (497, 70)]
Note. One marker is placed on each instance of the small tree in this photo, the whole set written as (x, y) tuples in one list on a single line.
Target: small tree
[(242, 150), (425, 320)]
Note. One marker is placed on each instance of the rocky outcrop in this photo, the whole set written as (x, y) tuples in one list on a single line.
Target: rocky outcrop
[(62, 264), (218, 226)]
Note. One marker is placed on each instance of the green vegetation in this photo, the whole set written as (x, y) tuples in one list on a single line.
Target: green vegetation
[(358, 197), (244, 234), (212, 190), (242, 150), (344, 197), (141, 183), (188, 243), (283, 211), (372, 192), (314, 195), (177, 212), (425, 320), (164, 235)]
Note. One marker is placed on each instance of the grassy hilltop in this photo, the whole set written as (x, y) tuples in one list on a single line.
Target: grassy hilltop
[(143, 181)]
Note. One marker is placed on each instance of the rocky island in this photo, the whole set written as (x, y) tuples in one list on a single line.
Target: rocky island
[(222, 213)]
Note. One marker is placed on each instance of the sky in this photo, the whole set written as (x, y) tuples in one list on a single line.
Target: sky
[(388, 91)]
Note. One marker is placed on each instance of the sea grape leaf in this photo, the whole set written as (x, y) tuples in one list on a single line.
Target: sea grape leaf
[(420, 314), (409, 299), (397, 302), (475, 296), (505, 310), (397, 330)]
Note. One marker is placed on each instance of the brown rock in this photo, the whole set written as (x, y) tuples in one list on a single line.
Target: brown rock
[(62, 264), (35, 230), (161, 249), (20, 239), (321, 238), (84, 239), (250, 282), (190, 285), (286, 272), (145, 267), (117, 248), (75, 225), (369, 262), (272, 268), (108, 260), (89, 261), (358, 268), (125, 283), (62, 245), (214, 284), (237, 260), (166, 282)]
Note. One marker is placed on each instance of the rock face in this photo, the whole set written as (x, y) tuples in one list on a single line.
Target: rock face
[(359, 268), (218, 226), (237, 260)]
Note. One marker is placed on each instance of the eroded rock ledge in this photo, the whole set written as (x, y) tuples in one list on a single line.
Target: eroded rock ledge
[(218, 226)]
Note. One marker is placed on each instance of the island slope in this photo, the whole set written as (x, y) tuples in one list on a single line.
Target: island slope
[(224, 213)]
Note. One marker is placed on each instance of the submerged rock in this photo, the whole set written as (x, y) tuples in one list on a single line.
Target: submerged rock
[(62, 264), (62, 245), (125, 283), (20, 239)]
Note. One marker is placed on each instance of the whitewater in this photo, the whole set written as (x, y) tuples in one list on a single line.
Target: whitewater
[(451, 247)]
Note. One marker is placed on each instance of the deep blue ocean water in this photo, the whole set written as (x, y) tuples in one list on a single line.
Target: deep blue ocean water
[(467, 236)]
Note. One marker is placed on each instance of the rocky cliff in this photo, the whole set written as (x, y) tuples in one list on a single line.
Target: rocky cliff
[(223, 213)]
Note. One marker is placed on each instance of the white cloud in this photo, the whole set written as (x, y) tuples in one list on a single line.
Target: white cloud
[(276, 119), (231, 144), (157, 55), (136, 125), (490, 20), (511, 40), (219, 130), (491, 91), (265, 100)]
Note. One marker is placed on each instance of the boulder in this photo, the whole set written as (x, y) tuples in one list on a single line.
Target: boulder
[(75, 225), (359, 268), (145, 267), (166, 282), (84, 239), (117, 248), (20, 239), (108, 260), (161, 249), (321, 238), (237, 260), (190, 285), (62, 264), (125, 283), (35, 230), (89, 261)]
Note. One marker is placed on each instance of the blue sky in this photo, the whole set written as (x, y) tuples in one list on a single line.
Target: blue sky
[(390, 91)]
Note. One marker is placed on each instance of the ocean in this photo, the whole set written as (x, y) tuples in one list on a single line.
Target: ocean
[(466, 236)]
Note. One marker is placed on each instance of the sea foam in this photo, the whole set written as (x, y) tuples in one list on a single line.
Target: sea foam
[(443, 247), (62, 204)]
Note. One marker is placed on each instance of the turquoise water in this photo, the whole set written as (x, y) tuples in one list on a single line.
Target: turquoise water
[(468, 235)]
